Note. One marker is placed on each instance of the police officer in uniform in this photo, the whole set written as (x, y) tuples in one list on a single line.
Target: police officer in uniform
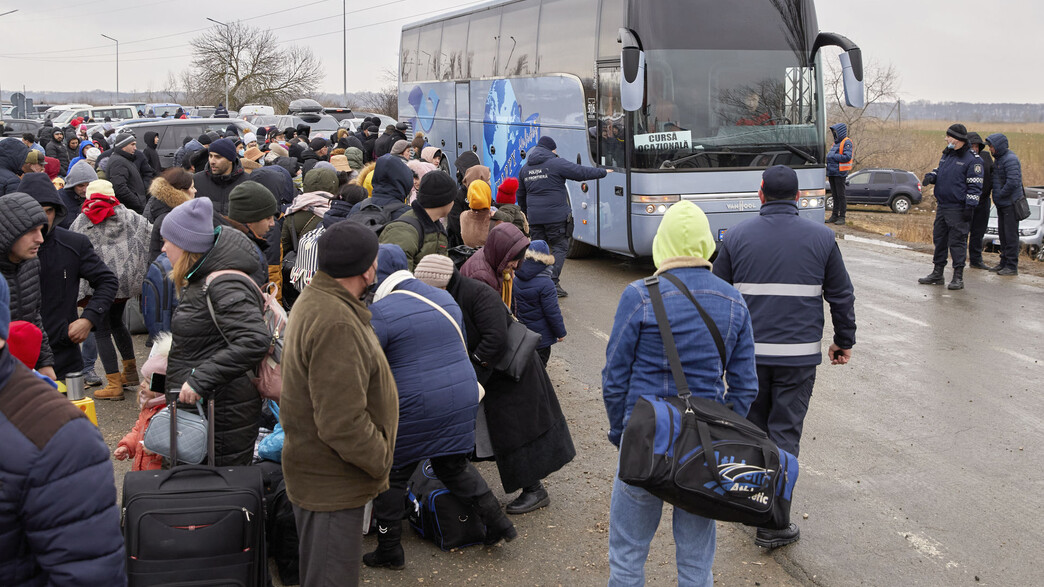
[(958, 185), (785, 266), (982, 211)]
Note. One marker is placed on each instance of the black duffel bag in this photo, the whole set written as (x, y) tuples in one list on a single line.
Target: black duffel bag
[(746, 478)]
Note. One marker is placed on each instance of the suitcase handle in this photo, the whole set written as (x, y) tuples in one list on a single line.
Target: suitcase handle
[(183, 469)]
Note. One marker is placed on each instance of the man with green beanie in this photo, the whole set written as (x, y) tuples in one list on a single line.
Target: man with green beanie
[(785, 266), (635, 366), (252, 210)]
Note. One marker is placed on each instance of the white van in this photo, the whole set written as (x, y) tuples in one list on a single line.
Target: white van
[(98, 113), (256, 110)]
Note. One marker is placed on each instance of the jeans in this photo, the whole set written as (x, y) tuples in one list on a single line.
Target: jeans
[(634, 516), (837, 191), (90, 352), (556, 235), (950, 233), (111, 328), (1008, 231), (782, 402), (978, 230)]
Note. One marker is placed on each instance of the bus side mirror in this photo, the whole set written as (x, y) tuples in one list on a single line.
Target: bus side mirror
[(632, 68), (851, 65), (852, 74)]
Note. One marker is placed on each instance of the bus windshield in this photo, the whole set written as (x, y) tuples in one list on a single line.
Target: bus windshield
[(727, 108)]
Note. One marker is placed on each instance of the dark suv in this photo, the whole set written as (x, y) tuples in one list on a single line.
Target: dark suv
[(894, 188)]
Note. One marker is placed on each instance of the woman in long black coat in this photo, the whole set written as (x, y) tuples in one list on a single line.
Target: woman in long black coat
[(527, 429)]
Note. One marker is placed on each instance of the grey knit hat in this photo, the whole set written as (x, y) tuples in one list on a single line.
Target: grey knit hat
[(435, 270), (82, 172), (122, 140), (19, 213), (190, 226)]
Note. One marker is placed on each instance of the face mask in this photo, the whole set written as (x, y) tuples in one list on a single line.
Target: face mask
[(950, 146), (242, 152)]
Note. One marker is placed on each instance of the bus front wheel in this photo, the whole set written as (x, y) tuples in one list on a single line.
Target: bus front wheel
[(579, 250)]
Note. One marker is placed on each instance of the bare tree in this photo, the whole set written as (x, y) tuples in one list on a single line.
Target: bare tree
[(876, 138), (260, 69)]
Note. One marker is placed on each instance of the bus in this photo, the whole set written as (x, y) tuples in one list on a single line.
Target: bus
[(682, 100)]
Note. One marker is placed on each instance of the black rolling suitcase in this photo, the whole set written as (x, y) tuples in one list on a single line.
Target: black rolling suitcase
[(195, 525)]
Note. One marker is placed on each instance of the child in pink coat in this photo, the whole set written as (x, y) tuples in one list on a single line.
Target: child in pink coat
[(132, 445)]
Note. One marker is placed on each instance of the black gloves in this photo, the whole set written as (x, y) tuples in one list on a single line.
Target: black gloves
[(929, 179)]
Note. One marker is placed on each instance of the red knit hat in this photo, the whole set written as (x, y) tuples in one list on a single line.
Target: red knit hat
[(24, 342), (506, 191)]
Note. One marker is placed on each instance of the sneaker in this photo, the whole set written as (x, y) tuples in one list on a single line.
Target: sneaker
[(91, 379), (840, 221), (1008, 271), (996, 268), (561, 292), (776, 538)]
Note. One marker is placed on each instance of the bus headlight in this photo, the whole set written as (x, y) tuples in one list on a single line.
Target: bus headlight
[(656, 199), (650, 209), (812, 198)]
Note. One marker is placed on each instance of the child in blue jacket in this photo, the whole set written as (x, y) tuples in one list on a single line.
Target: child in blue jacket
[(536, 300)]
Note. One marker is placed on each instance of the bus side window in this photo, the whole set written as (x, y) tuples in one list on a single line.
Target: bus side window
[(608, 133)]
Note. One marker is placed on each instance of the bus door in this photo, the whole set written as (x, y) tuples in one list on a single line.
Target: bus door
[(463, 138), (609, 154)]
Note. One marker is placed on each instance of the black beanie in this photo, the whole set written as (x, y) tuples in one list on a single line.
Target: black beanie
[(958, 131), (547, 143), (346, 249), (251, 202), (317, 144), (289, 133), (436, 190)]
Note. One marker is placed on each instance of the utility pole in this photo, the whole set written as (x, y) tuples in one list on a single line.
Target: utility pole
[(344, 35), (229, 30), (117, 66)]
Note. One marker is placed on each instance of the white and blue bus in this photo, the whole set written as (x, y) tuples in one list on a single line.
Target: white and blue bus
[(710, 94)]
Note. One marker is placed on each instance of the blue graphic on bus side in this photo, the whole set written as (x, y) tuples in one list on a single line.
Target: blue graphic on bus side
[(424, 106), (506, 132)]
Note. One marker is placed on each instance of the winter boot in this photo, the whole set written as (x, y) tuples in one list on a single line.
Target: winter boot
[(840, 221), (113, 391), (130, 373), (933, 278), (389, 551), (833, 218), (531, 499), (498, 526), (958, 279)]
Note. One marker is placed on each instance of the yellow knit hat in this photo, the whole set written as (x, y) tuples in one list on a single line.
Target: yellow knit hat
[(480, 195)]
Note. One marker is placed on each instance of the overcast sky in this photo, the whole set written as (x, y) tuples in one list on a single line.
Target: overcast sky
[(955, 50)]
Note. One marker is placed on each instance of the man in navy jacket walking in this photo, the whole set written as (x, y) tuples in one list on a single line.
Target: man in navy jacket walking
[(785, 266), (958, 184), (543, 197)]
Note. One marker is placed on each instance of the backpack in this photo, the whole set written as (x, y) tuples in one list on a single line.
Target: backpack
[(306, 261), (269, 373), (460, 255), (377, 217), (158, 298)]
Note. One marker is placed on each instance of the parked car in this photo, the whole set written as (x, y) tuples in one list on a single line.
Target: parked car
[(322, 125), (898, 189), (172, 132), (202, 111), (98, 113), (14, 127), (59, 109), (1031, 230), (157, 110), (353, 123), (137, 106), (256, 110)]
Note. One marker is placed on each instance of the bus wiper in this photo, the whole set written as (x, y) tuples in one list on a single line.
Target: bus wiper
[(671, 164), (804, 155)]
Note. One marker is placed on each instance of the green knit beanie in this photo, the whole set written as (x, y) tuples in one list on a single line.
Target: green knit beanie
[(320, 179), (251, 202)]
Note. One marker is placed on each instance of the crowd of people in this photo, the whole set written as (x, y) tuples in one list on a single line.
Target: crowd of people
[(356, 234)]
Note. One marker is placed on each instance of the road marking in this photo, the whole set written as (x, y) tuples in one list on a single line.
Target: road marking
[(1016, 354), (894, 314), (871, 241), (600, 334), (923, 544)]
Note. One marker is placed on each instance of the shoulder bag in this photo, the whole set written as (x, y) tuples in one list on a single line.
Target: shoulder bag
[(1022, 209), (186, 442), (518, 352), (666, 446)]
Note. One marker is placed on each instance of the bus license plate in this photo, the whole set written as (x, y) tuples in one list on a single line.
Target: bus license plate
[(721, 233)]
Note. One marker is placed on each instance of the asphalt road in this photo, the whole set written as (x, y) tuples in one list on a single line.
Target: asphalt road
[(920, 460)]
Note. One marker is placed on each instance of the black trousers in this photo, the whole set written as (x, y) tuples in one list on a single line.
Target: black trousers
[(950, 233), (557, 236), (837, 191), (111, 328), (544, 354), (455, 471), (1008, 230), (978, 230), (782, 402)]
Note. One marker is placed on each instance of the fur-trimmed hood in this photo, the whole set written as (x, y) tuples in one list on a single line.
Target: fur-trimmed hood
[(545, 258), (166, 193)]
